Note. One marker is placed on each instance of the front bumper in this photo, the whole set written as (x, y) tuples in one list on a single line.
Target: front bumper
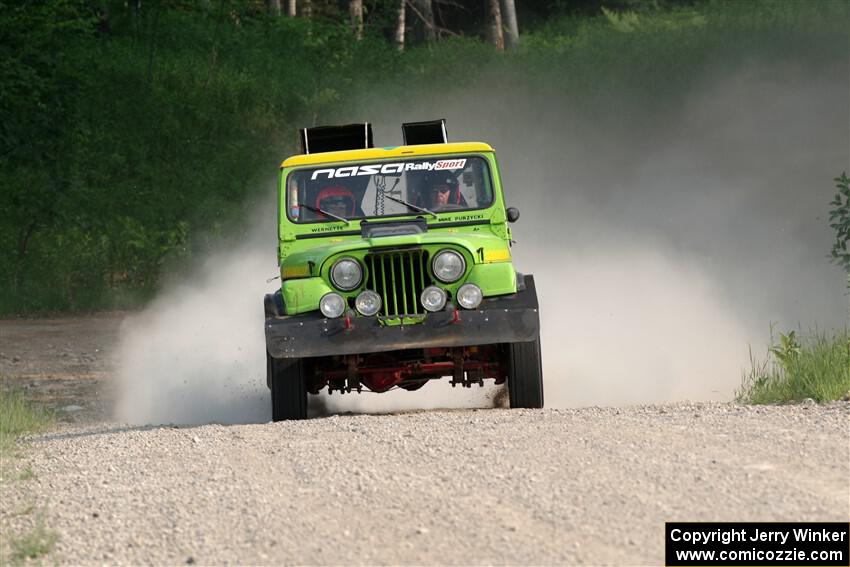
[(507, 319)]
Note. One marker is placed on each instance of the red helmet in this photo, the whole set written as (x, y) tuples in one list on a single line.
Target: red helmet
[(335, 194)]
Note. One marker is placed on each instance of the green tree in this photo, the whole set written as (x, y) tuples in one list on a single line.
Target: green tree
[(38, 122), (839, 217)]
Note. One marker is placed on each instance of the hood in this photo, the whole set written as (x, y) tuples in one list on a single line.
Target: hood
[(329, 247)]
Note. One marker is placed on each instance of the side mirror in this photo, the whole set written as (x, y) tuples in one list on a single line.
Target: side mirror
[(513, 214)]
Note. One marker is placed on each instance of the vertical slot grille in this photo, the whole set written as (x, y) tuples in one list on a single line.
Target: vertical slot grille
[(399, 277)]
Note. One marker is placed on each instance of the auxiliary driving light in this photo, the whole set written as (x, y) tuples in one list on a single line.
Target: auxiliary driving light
[(368, 303), (469, 296), (433, 298), (448, 266), (332, 305), (346, 274)]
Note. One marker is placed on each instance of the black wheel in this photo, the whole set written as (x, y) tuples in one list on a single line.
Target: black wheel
[(525, 375), (273, 305), (288, 382)]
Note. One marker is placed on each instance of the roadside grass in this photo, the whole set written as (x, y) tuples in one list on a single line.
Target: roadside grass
[(17, 417), (37, 543), (796, 368), (26, 474)]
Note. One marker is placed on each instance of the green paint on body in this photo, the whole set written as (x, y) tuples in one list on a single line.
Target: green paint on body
[(396, 321), (480, 236)]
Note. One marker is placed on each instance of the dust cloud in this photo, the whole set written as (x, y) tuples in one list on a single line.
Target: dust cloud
[(197, 353), (663, 244)]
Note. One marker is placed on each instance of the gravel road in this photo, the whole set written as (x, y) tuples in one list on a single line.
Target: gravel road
[(495, 486), (585, 486)]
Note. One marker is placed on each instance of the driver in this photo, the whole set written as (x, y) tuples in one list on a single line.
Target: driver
[(336, 200), (442, 191)]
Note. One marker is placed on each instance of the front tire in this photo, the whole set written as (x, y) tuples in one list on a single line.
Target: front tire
[(525, 375), (288, 381)]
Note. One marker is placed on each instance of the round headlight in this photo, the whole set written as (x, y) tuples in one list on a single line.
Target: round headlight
[(346, 274), (433, 298), (448, 266), (469, 296), (332, 305), (368, 303)]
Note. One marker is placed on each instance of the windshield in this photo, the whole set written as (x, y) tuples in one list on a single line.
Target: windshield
[(423, 186)]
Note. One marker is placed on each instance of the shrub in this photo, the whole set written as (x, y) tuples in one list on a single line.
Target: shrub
[(816, 367)]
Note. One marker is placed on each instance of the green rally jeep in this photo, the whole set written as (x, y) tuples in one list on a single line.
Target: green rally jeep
[(395, 267)]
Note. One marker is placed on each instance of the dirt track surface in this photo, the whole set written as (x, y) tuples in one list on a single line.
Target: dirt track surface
[(62, 363), (587, 486)]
